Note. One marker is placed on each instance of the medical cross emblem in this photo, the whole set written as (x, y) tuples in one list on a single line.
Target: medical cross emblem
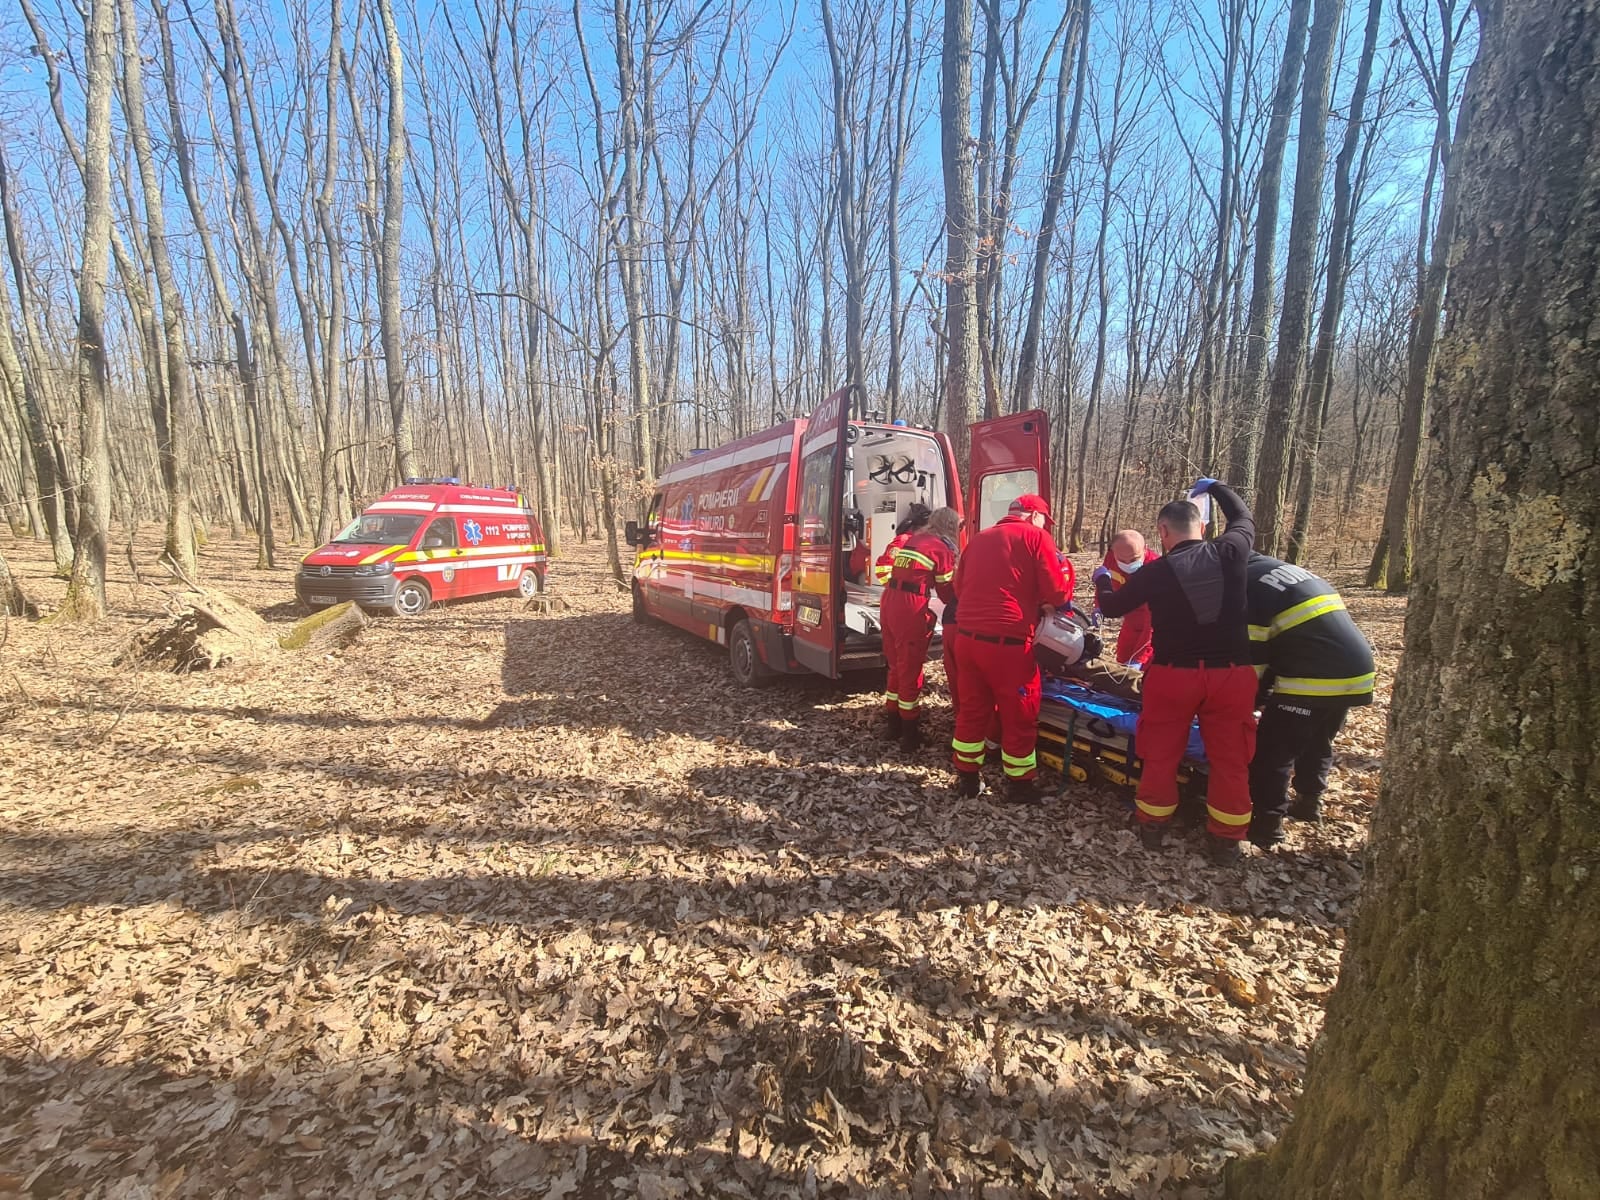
[(473, 532)]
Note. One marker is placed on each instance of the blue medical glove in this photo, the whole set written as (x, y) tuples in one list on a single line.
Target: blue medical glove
[(1202, 486)]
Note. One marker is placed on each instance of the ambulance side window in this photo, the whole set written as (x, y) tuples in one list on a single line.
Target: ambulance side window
[(816, 498), (653, 521), (441, 535)]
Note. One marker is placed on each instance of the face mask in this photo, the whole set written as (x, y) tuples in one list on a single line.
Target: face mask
[(1129, 568)]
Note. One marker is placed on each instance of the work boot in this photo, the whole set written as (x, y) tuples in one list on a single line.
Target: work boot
[(1223, 852), (968, 784), (1307, 808), (910, 736), (1023, 791), (892, 724), (1266, 831), (1151, 835)]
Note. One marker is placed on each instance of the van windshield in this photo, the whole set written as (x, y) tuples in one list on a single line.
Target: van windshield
[(381, 529)]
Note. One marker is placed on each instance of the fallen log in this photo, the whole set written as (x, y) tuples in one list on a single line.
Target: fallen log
[(330, 629), (207, 629)]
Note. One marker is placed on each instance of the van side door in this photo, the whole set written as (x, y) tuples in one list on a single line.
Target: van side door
[(436, 554), (1010, 458), (819, 521)]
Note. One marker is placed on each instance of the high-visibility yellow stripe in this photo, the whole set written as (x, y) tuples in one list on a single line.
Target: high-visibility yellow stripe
[(907, 706), (966, 747), (1155, 810), (945, 578), (1017, 771), (881, 572), (377, 554), (1355, 685), (1118, 578), (1259, 633), (1031, 759), (1306, 610), (752, 562), (895, 696), (905, 558), (1222, 818)]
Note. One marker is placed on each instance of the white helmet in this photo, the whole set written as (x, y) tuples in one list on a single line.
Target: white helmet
[(1058, 644)]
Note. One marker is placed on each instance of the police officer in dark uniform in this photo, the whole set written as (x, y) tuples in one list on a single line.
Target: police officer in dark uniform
[(1315, 666)]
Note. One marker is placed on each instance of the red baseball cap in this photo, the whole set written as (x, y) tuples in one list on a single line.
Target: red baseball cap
[(1029, 503)]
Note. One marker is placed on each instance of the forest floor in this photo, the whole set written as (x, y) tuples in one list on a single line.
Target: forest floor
[(497, 904)]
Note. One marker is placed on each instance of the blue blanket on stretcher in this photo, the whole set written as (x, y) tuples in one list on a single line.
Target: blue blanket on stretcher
[(1120, 715)]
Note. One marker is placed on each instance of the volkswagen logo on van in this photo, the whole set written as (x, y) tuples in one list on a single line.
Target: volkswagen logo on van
[(326, 571)]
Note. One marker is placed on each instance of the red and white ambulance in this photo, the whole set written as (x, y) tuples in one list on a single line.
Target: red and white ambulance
[(431, 540), (766, 545)]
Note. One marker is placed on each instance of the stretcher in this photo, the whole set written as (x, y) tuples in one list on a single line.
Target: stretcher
[(1086, 732)]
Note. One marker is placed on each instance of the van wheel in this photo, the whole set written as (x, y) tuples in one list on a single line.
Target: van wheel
[(745, 659), (641, 615), (412, 598), (530, 585)]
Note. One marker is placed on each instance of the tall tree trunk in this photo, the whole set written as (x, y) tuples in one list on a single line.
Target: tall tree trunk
[(328, 506), (1299, 277), (1391, 559), (1457, 1057), (960, 223), (27, 388), (86, 590), (173, 404), (1319, 380), (1263, 281), (1064, 142), (394, 207), (630, 254)]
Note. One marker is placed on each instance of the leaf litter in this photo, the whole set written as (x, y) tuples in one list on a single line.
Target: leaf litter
[(507, 904)]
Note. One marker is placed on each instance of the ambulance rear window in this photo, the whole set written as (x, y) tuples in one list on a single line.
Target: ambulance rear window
[(381, 529)]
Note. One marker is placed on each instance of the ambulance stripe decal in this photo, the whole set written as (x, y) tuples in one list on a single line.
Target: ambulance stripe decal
[(717, 460), (429, 568), (783, 470)]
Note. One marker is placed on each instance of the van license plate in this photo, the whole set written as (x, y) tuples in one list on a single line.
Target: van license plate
[(323, 599)]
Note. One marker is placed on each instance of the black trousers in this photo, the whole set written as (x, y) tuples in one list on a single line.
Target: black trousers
[(1292, 742)]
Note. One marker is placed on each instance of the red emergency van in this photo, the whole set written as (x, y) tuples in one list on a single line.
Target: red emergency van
[(766, 545), (433, 539)]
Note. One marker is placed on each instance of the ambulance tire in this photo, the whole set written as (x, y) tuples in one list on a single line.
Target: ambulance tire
[(529, 584), (641, 615), (412, 598), (744, 659)]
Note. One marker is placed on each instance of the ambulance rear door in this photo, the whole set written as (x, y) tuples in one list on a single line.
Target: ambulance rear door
[(1010, 458), (819, 525)]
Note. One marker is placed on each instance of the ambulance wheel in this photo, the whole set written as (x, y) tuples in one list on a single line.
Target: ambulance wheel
[(744, 659), (530, 585), (412, 598), (641, 615)]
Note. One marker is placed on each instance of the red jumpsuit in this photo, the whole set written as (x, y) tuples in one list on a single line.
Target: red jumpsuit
[(925, 565), (1006, 574), (885, 563), (1133, 639)]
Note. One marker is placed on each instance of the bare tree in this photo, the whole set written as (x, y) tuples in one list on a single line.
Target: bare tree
[(86, 591), (394, 207), (960, 222)]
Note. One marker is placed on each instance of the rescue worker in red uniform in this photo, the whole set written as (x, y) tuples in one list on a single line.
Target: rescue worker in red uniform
[(924, 567), (1128, 553), (916, 517), (1009, 575), (1201, 666)]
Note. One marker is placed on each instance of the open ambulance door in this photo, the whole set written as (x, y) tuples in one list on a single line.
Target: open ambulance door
[(1010, 458), (819, 537)]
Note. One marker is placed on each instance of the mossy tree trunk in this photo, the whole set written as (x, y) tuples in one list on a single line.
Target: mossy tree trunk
[(1461, 1056)]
